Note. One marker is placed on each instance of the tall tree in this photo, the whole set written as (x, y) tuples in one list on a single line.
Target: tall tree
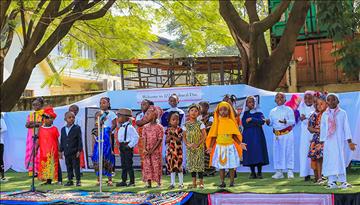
[(37, 43), (246, 23), (262, 69)]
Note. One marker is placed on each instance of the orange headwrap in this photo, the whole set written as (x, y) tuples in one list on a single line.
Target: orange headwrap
[(224, 126)]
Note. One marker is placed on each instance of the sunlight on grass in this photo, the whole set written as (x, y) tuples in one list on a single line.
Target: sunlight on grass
[(20, 181)]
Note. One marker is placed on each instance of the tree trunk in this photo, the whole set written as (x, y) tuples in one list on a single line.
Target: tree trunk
[(14, 86), (272, 70)]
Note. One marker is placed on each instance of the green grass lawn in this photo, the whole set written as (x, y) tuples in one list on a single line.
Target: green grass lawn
[(20, 181)]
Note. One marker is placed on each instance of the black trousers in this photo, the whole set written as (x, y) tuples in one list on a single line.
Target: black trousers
[(73, 164), (2, 160), (59, 172), (126, 154)]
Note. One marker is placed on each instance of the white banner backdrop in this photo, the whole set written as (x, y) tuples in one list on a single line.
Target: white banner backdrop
[(15, 137)]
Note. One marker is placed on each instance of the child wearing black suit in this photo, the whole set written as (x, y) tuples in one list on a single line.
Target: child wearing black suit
[(71, 146)]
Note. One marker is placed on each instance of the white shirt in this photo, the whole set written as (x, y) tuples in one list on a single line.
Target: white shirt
[(280, 113), (67, 129), (132, 136), (109, 118), (3, 130)]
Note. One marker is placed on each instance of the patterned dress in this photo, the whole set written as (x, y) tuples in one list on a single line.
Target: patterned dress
[(49, 153), (152, 164), (108, 157), (174, 153), (195, 157), (208, 120), (316, 148), (29, 142)]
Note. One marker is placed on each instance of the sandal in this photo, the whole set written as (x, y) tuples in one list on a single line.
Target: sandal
[(190, 186), (201, 186), (222, 185), (109, 183)]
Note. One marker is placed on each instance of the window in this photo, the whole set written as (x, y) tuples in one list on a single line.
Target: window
[(28, 93)]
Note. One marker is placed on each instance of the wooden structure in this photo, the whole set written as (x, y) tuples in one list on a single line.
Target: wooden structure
[(186, 71)]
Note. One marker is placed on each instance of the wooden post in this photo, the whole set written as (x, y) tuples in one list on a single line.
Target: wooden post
[(139, 75), (156, 77), (238, 69), (209, 71), (222, 73), (122, 76)]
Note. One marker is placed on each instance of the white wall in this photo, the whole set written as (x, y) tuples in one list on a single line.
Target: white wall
[(38, 75)]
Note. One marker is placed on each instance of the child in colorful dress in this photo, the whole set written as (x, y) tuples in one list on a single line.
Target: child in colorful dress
[(207, 118), (108, 121), (195, 135), (174, 153), (315, 152), (224, 142), (173, 102), (306, 109), (256, 154), (49, 148), (282, 119), (142, 119), (153, 134), (334, 133), (34, 121)]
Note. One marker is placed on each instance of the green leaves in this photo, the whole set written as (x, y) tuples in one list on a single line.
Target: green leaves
[(342, 18)]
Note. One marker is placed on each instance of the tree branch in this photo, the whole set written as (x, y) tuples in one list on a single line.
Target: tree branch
[(10, 33), (272, 18), (23, 22), (31, 24), (44, 22), (261, 47), (275, 66), (66, 9), (4, 5), (100, 13), (233, 20), (65, 26)]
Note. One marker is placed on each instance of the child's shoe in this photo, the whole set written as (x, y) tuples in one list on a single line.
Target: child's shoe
[(171, 187), (78, 183), (332, 186), (290, 174), (69, 183), (345, 185), (278, 175), (181, 186)]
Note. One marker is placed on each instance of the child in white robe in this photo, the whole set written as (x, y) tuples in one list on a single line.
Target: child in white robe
[(282, 119), (306, 109), (335, 132)]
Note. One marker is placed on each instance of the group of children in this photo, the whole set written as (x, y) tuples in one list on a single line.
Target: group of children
[(199, 142)]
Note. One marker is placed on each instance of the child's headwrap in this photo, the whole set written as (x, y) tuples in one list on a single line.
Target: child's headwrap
[(294, 103), (332, 116), (49, 111), (197, 106), (321, 95), (245, 108), (224, 126)]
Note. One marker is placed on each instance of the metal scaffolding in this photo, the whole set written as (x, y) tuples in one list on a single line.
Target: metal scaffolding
[(172, 72)]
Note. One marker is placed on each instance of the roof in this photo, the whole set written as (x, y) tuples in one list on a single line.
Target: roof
[(184, 63)]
